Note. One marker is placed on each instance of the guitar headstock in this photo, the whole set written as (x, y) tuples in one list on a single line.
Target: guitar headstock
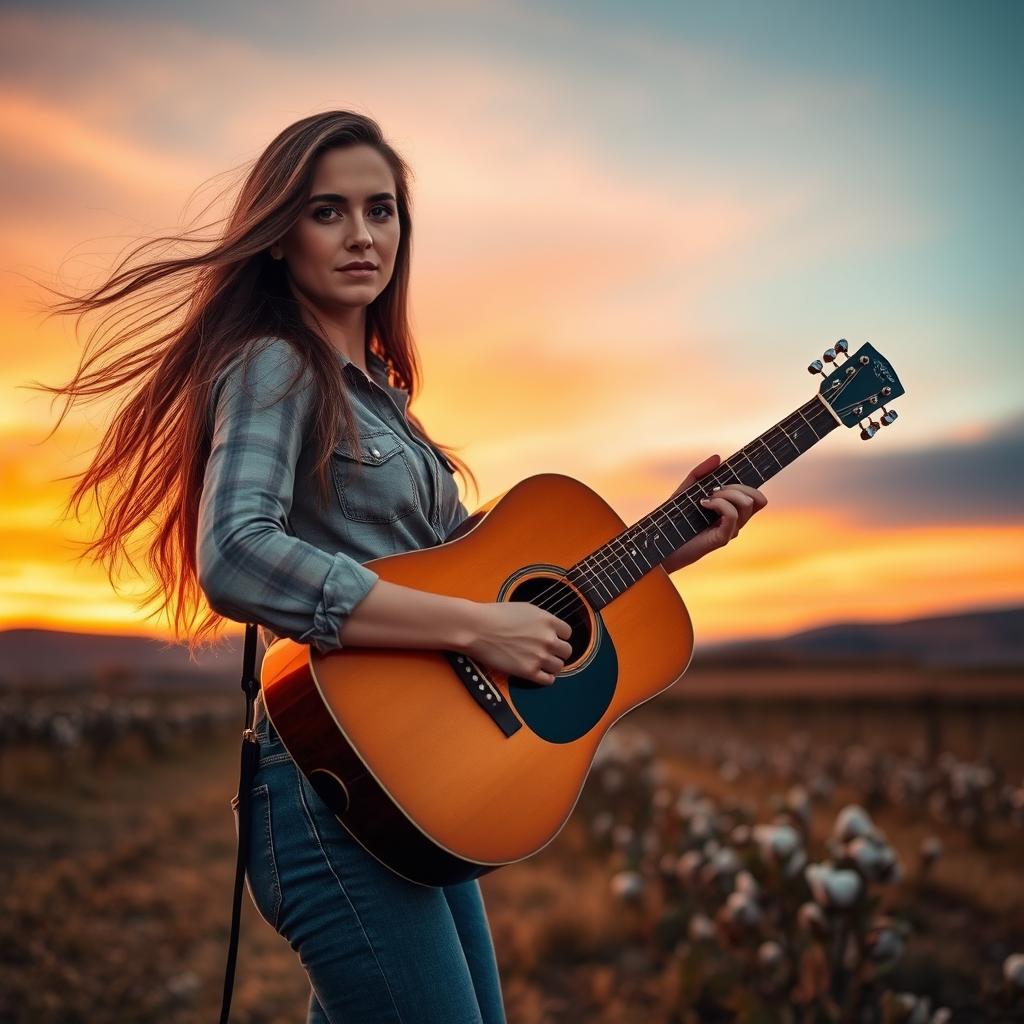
[(862, 384)]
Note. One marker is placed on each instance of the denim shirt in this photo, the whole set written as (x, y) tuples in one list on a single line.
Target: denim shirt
[(266, 552)]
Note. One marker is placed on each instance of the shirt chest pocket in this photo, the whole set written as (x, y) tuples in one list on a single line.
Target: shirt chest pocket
[(381, 489)]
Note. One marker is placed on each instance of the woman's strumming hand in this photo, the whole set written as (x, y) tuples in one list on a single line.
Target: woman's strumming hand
[(520, 639)]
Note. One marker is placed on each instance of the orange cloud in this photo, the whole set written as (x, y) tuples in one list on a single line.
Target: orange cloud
[(788, 569), (794, 571)]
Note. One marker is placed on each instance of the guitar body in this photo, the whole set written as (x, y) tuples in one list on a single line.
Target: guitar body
[(444, 769)]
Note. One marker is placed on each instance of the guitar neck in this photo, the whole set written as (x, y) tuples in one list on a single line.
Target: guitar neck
[(615, 566)]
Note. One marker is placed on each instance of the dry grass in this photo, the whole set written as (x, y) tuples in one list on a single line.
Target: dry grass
[(117, 901)]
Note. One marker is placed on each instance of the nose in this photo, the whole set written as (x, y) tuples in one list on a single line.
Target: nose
[(361, 236)]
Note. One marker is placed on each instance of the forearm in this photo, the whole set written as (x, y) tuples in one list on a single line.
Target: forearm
[(391, 615)]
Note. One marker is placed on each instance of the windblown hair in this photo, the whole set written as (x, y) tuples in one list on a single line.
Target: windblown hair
[(146, 475)]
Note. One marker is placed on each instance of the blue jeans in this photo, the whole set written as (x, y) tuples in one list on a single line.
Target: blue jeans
[(376, 947)]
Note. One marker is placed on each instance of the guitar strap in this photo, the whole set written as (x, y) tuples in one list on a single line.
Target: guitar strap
[(250, 757)]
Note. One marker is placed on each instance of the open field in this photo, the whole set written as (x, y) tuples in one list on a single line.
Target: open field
[(119, 866)]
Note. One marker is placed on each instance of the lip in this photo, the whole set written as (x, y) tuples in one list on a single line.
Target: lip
[(358, 265), (359, 272)]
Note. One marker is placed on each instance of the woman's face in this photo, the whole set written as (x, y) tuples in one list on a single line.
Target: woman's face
[(351, 216)]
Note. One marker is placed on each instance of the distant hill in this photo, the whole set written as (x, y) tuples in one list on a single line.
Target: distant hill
[(991, 638), (981, 639), (46, 656)]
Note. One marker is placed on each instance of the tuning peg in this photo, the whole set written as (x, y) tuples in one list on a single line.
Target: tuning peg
[(889, 416), (815, 367), (829, 355), (870, 430), (842, 346)]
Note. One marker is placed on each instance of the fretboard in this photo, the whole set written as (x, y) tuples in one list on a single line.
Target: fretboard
[(614, 567)]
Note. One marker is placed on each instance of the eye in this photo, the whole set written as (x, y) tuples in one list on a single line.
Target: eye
[(386, 207)]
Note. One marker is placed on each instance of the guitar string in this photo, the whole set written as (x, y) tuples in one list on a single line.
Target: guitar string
[(660, 518), (663, 516)]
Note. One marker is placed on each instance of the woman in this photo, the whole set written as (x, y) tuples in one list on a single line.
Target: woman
[(267, 440)]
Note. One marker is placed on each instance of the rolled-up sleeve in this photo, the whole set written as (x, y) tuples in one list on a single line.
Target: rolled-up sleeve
[(249, 566)]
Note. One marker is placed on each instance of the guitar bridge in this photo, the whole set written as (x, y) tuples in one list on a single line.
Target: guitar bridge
[(484, 692)]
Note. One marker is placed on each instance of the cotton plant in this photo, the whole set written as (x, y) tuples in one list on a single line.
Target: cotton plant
[(968, 795), (753, 921)]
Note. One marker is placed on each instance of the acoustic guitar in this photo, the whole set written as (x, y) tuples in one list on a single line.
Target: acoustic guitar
[(444, 769)]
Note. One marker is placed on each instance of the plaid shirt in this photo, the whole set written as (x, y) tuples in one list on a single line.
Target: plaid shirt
[(266, 552)]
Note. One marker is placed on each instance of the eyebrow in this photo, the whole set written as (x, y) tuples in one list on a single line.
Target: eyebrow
[(333, 197)]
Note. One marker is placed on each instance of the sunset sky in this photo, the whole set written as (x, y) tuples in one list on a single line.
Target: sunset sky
[(636, 224)]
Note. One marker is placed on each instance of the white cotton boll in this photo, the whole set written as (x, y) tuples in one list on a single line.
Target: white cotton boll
[(875, 861), (748, 885), (740, 835), (627, 886), (688, 867), (700, 826), (834, 888), (740, 910), (701, 928), (769, 954), (1013, 970), (852, 821)]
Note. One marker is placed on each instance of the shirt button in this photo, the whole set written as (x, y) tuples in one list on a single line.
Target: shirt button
[(375, 451)]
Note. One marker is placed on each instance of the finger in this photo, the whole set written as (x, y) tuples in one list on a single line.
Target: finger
[(740, 500), (701, 469), (752, 492), (757, 496), (709, 465), (728, 513), (748, 491), (739, 490), (562, 628), (744, 508)]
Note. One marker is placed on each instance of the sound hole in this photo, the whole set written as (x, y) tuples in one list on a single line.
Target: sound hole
[(556, 597)]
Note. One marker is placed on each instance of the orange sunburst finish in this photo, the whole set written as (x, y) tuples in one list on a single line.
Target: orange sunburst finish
[(399, 724)]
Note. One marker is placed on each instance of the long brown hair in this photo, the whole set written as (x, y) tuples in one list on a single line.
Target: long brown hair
[(146, 475)]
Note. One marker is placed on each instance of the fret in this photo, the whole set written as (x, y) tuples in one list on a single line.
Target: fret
[(770, 452), (790, 430), (752, 465), (682, 512), (811, 425), (782, 445), (617, 565)]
